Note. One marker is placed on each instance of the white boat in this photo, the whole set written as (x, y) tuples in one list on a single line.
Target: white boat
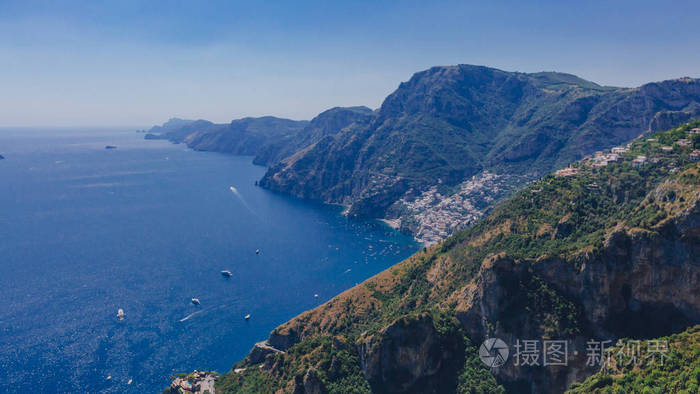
[(247, 317), (130, 380), (120, 314), (226, 273), (195, 301), (257, 251)]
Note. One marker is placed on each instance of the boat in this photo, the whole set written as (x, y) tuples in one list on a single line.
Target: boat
[(247, 317), (257, 251), (195, 301), (130, 380), (110, 147), (120, 314), (226, 273)]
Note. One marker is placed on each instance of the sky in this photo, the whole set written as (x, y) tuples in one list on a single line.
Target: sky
[(138, 63)]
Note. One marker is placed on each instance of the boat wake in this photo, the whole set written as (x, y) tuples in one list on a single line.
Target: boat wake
[(191, 315), (240, 197)]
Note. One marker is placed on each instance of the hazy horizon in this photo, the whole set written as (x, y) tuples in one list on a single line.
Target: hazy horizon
[(93, 64)]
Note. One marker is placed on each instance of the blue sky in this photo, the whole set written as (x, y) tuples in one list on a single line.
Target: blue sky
[(138, 63)]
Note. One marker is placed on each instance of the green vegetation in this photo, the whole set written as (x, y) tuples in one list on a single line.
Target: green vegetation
[(333, 361), (679, 372)]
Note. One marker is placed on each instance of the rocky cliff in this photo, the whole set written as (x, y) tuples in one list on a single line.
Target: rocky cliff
[(599, 252)]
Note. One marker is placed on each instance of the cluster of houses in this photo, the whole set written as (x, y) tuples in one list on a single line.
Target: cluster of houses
[(599, 159), (695, 154), (195, 383), (602, 159), (564, 172), (436, 216)]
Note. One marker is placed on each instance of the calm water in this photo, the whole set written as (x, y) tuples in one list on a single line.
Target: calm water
[(145, 227)]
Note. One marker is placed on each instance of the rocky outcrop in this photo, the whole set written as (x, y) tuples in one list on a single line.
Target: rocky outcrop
[(260, 351), (410, 356)]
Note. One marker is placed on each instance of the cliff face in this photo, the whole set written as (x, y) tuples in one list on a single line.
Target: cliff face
[(447, 124), (640, 285), (604, 253)]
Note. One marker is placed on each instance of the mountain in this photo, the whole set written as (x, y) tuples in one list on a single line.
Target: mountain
[(268, 138), (606, 249), (327, 123), (176, 129), (247, 136), (462, 132)]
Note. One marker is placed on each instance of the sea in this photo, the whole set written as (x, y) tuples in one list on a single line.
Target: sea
[(145, 227)]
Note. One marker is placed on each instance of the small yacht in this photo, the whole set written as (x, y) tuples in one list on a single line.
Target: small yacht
[(247, 317), (120, 314), (195, 301), (226, 273), (257, 251)]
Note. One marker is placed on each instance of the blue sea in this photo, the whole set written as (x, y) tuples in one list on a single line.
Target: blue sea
[(145, 227)]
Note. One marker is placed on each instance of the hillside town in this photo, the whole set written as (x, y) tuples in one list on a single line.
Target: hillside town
[(432, 216)]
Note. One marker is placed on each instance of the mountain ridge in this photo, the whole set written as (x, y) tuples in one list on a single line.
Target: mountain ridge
[(446, 125), (449, 142)]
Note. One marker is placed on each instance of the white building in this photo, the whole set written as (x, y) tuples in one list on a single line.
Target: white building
[(639, 161)]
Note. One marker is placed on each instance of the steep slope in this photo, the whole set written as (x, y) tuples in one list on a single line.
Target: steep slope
[(605, 250), (327, 123), (449, 124)]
